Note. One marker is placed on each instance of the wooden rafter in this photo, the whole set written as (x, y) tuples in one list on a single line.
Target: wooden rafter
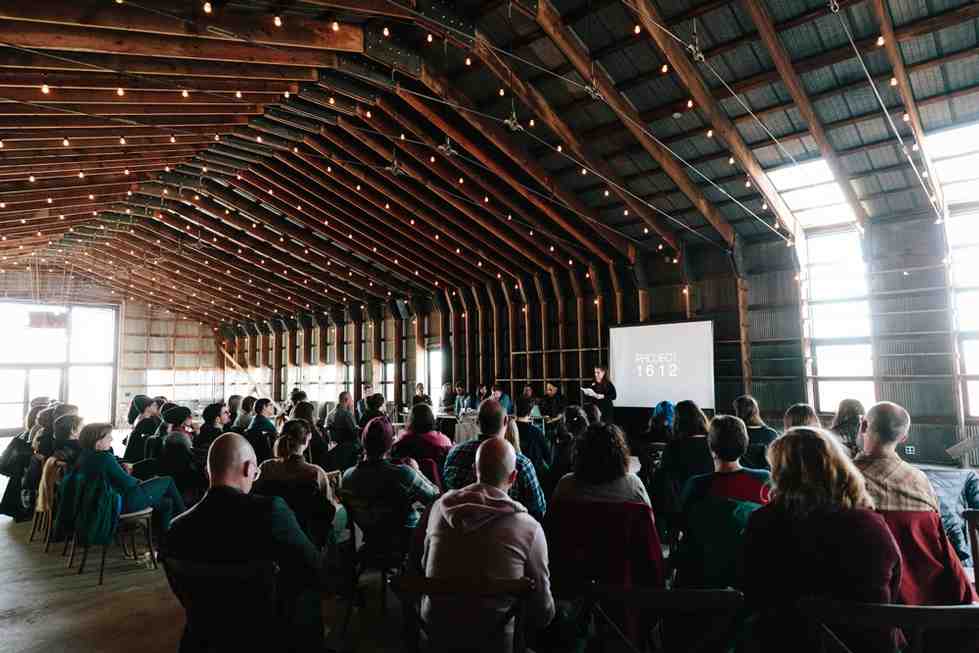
[(548, 18), (907, 98), (793, 83)]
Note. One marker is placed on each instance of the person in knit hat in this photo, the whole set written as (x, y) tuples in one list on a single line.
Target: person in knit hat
[(144, 416), (379, 480)]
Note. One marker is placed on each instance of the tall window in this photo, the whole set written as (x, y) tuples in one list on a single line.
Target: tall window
[(836, 308), (955, 153), (56, 352)]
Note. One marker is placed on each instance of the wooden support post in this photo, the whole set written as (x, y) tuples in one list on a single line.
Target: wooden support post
[(277, 338), (511, 312), (468, 323), (619, 293), (418, 324), (579, 306), (494, 307), (562, 329), (545, 325), (358, 357), (253, 357), (743, 334), (307, 347), (399, 355), (482, 319)]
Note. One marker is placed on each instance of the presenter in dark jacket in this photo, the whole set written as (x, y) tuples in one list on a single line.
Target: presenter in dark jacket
[(229, 525), (602, 394)]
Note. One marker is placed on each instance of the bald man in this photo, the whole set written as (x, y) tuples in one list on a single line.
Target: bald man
[(480, 530), (229, 525)]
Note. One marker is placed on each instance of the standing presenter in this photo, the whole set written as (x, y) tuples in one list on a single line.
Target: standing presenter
[(601, 392)]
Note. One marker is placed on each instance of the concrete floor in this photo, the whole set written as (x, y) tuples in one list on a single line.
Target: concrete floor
[(46, 608)]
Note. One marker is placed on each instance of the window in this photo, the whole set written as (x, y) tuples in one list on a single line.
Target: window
[(955, 153), (836, 310), (59, 352)]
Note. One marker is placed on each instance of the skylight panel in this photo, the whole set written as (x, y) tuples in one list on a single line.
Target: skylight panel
[(804, 174), (814, 196), (825, 216), (952, 142)]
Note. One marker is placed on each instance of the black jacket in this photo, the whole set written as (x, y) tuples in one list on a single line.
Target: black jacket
[(229, 526), (136, 441)]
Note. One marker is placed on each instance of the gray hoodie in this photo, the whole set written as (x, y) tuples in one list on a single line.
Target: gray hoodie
[(480, 531)]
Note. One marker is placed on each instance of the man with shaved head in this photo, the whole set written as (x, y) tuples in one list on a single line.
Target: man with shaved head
[(229, 525), (931, 573), (480, 531)]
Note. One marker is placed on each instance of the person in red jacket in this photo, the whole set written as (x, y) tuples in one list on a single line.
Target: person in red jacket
[(421, 439)]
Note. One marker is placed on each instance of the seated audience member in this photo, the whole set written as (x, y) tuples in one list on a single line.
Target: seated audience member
[(660, 426), (570, 430), (343, 415), (760, 435), (819, 537), (378, 480), (154, 443), (292, 465), (459, 471), (375, 408), (846, 424), (234, 407), (480, 522), (686, 455), (295, 396), (533, 444), (144, 412), (421, 439), (420, 397), (501, 396), (601, 470), (216, 418), (716, 508), (97, 461), (67, 428), (42, 436), (319, 444), (348, 450), (552, 406), (512, 435), (931, 573), (245, 415), (261, 432), (177, 460), (179, 420), (447, 399), (593, 413), (361, 408), (229, 525), (800, 415)]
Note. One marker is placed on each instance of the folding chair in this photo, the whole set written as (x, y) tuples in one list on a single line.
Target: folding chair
[(914, 620), (658, 604), (410, 589)]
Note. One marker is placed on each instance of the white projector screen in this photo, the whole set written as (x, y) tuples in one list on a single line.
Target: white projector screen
[(657, 362)]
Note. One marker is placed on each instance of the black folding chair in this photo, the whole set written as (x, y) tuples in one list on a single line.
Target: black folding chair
[(228, 606), (914, 620), (411, 588), (716, 610)]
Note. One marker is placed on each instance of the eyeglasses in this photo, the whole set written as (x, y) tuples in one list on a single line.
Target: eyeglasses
[(256, 473)]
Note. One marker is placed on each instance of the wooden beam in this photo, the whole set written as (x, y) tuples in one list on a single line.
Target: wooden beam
[(536, 101), (166, 19), (793, 83), (502, 140), (72, 38), (568, 43), (896, 59), (110, 81), (716, 116), (107, 133), (487, 183)]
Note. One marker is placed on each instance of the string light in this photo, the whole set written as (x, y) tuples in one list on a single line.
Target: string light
[(880, 41), (893, 81), (122, 140), (386, 32), (45, 89), (336, 26), (238, 94), (277, 21), (429, 38), (207, 7), (469, 61), (690, 104), (65, 142), (120, 91), (185, 93), (665, 68), (637, 29)]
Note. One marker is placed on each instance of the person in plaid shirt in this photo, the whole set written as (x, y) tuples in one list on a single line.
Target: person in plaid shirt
[(460, 463)]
